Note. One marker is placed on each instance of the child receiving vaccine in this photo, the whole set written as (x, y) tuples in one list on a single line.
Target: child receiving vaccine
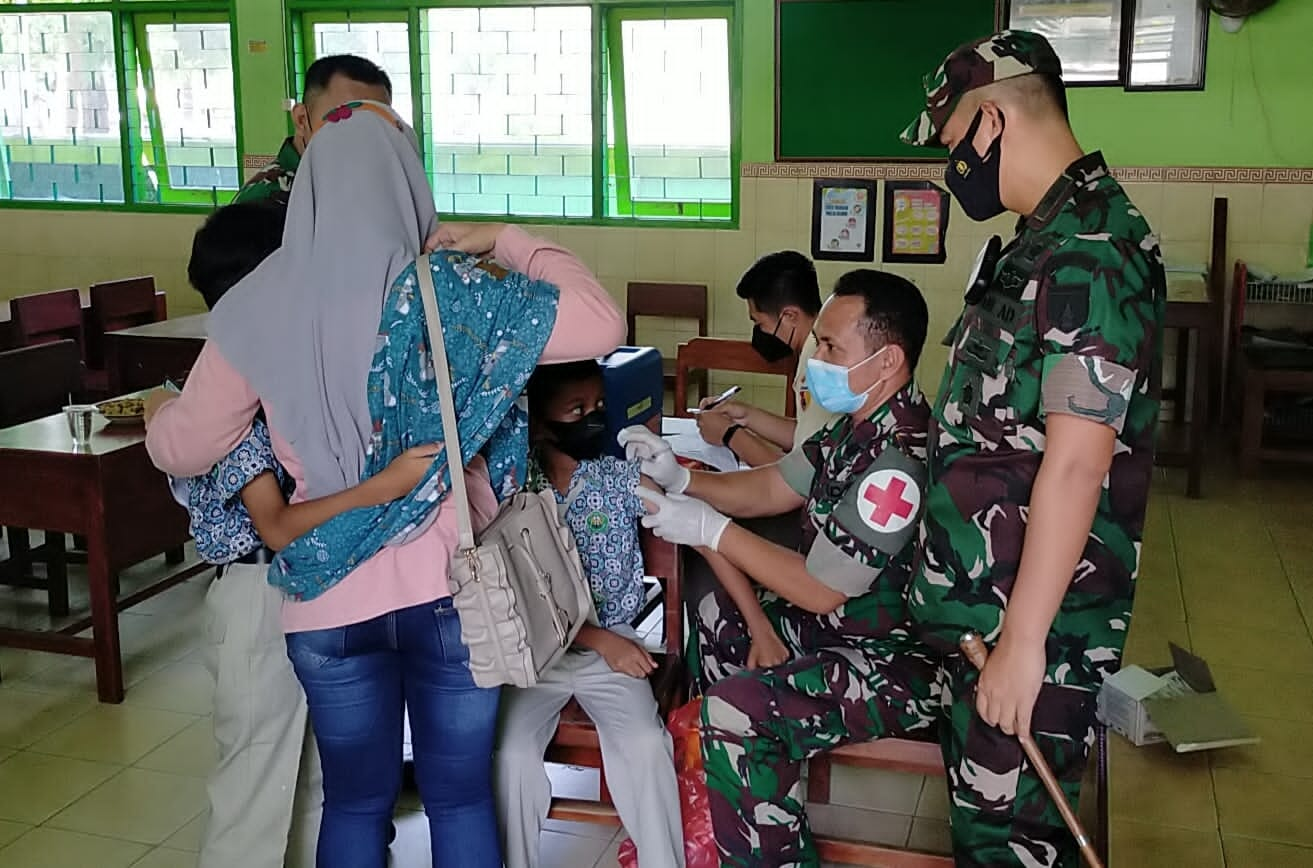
[(607, 669)]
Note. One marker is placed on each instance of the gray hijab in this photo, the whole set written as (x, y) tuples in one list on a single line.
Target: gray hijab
[(302, 327)]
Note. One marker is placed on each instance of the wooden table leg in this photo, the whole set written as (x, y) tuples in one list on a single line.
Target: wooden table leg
[(104, 613), (1251, 422), (1182, 384), (20, 549), (56, 575), (1199, 411)]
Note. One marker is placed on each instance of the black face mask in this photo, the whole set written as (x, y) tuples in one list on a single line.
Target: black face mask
[(770, 346), (582, 440), (973, 179)]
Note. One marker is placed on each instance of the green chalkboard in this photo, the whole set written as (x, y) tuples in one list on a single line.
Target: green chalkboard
[(848, 72)]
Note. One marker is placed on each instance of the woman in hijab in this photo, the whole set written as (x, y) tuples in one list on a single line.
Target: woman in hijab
[(328, 337)]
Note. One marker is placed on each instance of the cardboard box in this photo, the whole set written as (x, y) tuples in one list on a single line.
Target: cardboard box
[(1180, 705)]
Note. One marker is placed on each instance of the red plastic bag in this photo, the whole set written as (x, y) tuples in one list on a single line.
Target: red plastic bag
[(694, 803)]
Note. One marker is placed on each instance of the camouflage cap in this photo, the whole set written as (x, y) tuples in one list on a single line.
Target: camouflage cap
[(1004, 55)]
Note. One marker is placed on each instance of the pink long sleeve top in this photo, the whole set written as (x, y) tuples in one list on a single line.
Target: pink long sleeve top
[(213, 414)]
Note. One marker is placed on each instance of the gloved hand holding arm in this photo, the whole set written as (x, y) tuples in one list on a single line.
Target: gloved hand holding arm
[(742, 493)]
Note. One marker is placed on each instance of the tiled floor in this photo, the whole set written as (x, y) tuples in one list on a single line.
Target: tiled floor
[(1231, 577)]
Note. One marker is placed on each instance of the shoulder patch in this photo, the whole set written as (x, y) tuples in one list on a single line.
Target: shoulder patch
[(1068, 306), (884, 505), (888, 500)]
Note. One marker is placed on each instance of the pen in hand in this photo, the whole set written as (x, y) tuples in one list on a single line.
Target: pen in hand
[(720, 399)]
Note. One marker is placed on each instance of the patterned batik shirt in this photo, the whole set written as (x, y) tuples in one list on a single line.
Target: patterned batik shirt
[(602, 512), (1070, 324), (274, 181), (864, 484), (220, 523)]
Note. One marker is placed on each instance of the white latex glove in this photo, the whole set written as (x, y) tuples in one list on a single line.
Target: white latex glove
[(683, 520), (655, 456)]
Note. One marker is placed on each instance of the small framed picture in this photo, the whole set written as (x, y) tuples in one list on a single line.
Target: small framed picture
[(915, 222), (842, 227)]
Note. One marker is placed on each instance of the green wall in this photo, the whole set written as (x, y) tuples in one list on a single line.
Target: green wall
[(261, 74), (1256, 108)]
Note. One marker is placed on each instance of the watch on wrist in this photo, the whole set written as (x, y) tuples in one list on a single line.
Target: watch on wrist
[(729, 434)]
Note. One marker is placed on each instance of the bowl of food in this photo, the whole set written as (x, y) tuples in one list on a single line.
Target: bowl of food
[(123, 411)]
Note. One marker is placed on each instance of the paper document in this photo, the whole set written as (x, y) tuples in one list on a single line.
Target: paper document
[(683, 436)]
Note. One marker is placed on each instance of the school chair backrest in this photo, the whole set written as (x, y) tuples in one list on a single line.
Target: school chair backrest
[(723, 354), (37, 381), (47, 317), (119, 304)]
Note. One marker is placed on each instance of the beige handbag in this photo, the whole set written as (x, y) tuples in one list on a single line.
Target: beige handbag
[(520, 589)]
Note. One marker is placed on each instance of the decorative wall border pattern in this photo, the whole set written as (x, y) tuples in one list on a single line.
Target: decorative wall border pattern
[(934, 171)]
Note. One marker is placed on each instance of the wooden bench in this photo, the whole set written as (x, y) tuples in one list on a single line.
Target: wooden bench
[(918, 758)]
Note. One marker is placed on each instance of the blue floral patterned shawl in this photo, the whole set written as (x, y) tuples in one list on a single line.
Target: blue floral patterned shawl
[(495, 325)]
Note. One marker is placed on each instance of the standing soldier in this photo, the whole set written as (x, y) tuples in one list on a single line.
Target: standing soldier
[(329, 82), (1041, 445)]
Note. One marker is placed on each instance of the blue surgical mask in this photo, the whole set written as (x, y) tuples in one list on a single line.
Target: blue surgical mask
[(828, 384)]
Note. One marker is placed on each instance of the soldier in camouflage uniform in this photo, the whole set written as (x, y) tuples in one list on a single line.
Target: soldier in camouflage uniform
[(854, 672), (329, 82), (1041, 446)]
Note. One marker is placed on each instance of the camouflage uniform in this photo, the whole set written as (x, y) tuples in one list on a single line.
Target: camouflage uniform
[(274, 181), (855, 674), (1071, 323)]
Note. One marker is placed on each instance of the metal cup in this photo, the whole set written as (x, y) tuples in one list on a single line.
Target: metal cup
[(79, 418)]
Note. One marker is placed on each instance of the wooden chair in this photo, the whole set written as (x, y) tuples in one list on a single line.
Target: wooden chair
[(119, 304), (35, 382), (47, 317), (722, 354), (672, 300), (919, 758), (1258, 372), (575, 742)]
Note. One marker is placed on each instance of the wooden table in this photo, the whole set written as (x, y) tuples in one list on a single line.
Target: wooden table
[(145, 356), (109, 493), (1193, 311), (9, 340)]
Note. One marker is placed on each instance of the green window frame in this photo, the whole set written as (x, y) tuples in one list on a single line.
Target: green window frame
[(613, 199), (618, 156), (155, 152), (146, 180)]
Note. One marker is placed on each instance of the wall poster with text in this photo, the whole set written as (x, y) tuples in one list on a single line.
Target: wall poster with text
[(843, 226), (915, 222)]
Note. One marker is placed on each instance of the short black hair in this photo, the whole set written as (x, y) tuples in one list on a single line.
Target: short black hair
[(780, 279), (1057, 92), (358, 69), (548, 381), (895, 309), (231, 243)]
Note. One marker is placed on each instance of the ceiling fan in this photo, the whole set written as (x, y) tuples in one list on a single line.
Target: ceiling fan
[(1234, 12)]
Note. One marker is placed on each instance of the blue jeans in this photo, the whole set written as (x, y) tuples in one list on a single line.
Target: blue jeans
[(357, 679)]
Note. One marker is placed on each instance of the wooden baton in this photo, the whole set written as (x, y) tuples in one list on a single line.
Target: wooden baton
[(973, 647)]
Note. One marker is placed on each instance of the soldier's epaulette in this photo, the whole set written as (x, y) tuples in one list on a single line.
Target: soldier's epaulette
[(492, 268)]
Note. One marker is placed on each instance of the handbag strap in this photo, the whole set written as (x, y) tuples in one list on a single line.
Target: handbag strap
[(446, 397)]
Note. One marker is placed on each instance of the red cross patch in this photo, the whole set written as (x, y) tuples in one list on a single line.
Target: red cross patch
[(888, 500)]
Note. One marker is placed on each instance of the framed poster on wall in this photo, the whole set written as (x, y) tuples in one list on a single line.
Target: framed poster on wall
[(842, 224), (915, 222)]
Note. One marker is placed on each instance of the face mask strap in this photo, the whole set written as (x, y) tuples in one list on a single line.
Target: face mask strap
[(991, 152)]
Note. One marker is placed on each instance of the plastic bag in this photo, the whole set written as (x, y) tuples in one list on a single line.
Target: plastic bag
[(694, 803)]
